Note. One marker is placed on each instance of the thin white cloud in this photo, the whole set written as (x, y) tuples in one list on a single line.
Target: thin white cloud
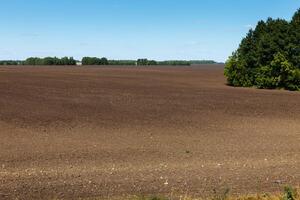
[(249, 26)]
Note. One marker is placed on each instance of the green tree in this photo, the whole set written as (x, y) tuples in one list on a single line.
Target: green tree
[(268, 57), (142, 61), (294, 46), (94, 61), (104, 61)]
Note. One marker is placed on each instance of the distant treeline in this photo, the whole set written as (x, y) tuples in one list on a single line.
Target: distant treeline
[(11, 62), (94, 61), (41, 61), (50, 61), (102, 61), (122, 62)]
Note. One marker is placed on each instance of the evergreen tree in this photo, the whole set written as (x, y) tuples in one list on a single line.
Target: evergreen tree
[(268, 57)]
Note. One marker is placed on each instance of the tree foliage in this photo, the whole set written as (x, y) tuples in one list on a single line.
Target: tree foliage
[(103, 61), (145, 61), (202, 62), (122, 62), (268, 57), (10, 62), (94, 61), (50, 61), (175, 62)]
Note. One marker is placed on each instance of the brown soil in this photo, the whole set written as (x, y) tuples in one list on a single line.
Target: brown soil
[(109, 132)]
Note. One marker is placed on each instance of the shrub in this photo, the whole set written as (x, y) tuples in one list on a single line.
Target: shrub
[(236, 72), (264, 78), (289, 193), (149, 198)]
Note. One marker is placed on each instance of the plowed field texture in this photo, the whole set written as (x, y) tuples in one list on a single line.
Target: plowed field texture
[(112, 132)]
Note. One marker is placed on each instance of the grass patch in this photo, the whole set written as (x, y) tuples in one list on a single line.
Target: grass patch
[(289, 193)]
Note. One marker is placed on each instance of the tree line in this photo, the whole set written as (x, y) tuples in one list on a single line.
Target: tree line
[(102, 61), (10, 62), (50, 61), (268, 57)]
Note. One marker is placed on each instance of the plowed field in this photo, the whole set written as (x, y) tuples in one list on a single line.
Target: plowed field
[(75, 132)]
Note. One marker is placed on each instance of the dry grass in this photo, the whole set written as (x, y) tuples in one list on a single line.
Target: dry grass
[(289, 193)]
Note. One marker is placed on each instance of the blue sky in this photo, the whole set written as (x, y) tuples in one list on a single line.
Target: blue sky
[(131, 29)]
